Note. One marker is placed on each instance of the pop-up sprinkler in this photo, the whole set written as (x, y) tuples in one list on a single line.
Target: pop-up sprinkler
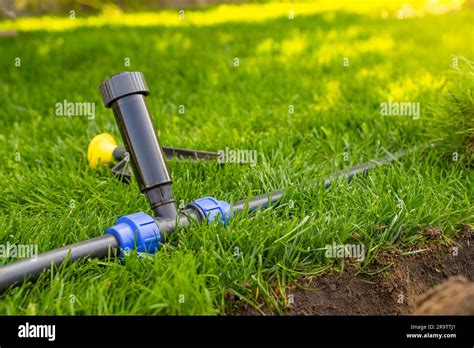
[(125, 94)]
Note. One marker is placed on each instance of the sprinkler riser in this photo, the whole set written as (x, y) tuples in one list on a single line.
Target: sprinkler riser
[(125, 94)]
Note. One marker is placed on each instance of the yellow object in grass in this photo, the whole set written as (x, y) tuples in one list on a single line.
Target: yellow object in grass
[(100, 150)]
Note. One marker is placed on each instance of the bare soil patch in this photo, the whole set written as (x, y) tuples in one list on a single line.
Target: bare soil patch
[(409, 283), (436, 281)]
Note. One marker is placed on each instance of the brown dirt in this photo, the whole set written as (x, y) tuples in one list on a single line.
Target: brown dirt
[(396, 291), (404, 284)]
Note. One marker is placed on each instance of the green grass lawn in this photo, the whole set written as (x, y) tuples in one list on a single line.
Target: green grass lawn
[(50, 197)]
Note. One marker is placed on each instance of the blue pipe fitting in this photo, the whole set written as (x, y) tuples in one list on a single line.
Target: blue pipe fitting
[(137, 231), (140, 231), (212, 209)]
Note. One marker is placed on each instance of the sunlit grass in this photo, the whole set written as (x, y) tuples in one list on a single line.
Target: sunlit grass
[(245, 13), (410, 88)]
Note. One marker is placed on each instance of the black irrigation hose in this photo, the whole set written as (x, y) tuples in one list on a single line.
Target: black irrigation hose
[(174, 152), (258, 202), (267, 199), (31, 268)]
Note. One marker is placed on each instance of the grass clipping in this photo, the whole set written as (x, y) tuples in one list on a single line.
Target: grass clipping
[(452, 123)]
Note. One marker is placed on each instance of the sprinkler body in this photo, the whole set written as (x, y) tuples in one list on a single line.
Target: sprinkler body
[(125, 94)]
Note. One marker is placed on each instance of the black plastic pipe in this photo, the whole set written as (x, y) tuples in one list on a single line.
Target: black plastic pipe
[(173, 152), (267, 199), (125, 94), (363, 168), (258, 202), (30, 269)]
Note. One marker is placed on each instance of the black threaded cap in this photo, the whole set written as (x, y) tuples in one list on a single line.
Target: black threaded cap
[(122, 84)]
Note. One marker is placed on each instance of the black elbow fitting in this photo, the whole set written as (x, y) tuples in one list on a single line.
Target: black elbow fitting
[(125, 94)]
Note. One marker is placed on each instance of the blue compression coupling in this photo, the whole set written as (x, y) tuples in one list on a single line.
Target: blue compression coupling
[(140, 231), (137, 231), (212, 209)]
